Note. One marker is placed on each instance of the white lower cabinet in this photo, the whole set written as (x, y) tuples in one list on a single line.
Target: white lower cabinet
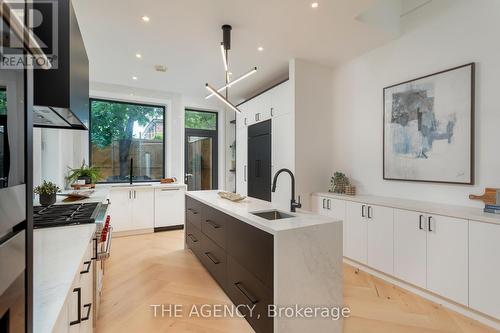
[(447, 257), (484, 268), (410, 247), (333, 208), (380, 244), (169, 206), (76, 315), (132, 208), (357, 232)]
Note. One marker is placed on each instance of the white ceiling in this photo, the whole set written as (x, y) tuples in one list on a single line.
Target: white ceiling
[(185, 36)]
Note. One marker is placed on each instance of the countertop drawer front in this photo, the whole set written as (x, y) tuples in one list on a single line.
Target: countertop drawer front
[(213, 258), (244, 289), (213, 225), (194, 212), (252, 248), (193, 237)]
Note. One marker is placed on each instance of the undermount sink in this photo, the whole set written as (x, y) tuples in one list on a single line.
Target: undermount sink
[(273, 215)]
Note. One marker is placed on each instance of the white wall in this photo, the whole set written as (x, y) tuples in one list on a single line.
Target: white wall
[(463, 32)]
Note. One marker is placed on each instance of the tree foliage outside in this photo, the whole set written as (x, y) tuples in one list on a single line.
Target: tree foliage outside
[(114, 121), (201, 120), (3, 101)]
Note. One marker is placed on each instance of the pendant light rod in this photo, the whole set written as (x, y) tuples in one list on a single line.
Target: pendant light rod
[(232, 83), (219, 96)]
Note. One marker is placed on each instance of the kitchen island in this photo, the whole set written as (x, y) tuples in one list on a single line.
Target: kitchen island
[(286, 274)]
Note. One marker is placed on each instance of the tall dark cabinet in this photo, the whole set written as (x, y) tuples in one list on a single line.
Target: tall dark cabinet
[(259, 160)]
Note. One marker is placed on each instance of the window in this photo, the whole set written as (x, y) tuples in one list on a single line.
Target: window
[(201, 120), (3, 101), (121, 132)]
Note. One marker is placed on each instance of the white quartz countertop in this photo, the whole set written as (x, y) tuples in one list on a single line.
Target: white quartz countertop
[(57, 256), (461, 212), (242, 210), (143, 185)]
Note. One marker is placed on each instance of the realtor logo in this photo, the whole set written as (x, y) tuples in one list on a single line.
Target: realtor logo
[(43, 33)]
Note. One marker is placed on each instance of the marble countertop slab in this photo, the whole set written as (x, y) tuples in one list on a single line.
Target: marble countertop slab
[(242, 210), (57, 256), (461, 212)]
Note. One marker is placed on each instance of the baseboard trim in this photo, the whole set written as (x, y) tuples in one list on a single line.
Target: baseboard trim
[(169, 228), (463, 310)]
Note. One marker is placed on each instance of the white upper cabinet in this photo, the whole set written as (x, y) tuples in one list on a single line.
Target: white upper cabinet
[(380, 238), (410, 247), (281, 100), (484, 268), (447, 257), (282, 156)]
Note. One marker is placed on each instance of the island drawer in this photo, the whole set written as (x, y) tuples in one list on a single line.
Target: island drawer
[(252, 248), (194, 211), (244, 289), (193, 237), (213, 257), (213, 225)]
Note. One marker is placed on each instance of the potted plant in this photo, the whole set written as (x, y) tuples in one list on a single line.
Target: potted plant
[(339, 182), (47, 193), (90, 174)]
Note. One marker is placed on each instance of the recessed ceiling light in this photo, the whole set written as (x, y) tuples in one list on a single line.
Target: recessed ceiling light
[(145, 18), (315, 5), (260, 48), (134, 77), (138, 55)]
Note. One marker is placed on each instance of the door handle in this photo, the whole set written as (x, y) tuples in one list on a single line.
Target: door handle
[(86, 270), (420, 222), (78, 292), (363, 211), (212, 224), (370, 212), (246, 293), (212, 258), (245, 173), (429, 221), (88, 306)]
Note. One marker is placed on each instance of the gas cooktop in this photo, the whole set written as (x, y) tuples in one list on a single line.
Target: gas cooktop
[(62, 215)]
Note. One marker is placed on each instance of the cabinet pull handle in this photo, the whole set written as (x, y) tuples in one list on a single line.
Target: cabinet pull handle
[(212, 224), (94, 241), (130, 194), (324, 200), (420, 222), (429, 221), (245, 173), (194, 239), (88, 306), (329, 204), (272, 112), (245, 292), (363, 211), (192, 211), (86, 270), (134, 194), (78, 292), (370, 212), (169, 189), (212, 258), (245, 121)]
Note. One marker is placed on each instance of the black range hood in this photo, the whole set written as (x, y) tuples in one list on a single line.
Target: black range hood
[(61, 94)]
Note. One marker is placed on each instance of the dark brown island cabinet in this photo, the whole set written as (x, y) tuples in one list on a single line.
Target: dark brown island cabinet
[(240, 257)]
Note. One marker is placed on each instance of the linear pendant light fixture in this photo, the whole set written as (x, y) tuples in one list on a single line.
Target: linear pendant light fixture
[(225, 46), (222, 98)]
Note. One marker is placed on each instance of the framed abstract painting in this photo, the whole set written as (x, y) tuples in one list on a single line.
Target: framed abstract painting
[(429, 128)]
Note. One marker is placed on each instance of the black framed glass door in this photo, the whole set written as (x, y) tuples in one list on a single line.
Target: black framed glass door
[(201, 150)]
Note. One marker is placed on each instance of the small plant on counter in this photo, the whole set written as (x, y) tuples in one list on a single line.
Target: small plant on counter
[(90, 174), (339, 182), (47, 192)]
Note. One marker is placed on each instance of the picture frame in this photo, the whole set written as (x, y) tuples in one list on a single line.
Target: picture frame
[(428, 128)]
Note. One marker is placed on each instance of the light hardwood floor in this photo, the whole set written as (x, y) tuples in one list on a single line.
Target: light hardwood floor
[(155, 269)]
